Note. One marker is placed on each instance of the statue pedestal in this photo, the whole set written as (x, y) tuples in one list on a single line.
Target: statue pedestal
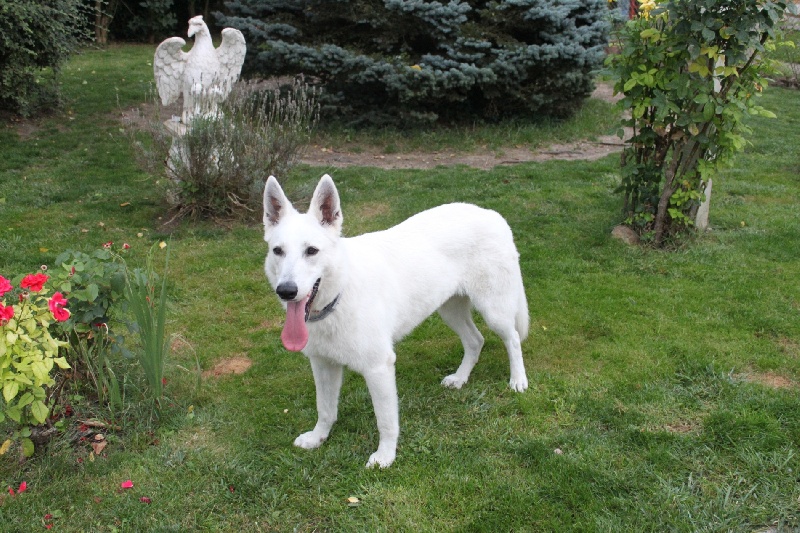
[(178, 153), (178, 156)]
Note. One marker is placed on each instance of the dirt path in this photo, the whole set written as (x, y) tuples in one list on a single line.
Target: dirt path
[(483, 159)]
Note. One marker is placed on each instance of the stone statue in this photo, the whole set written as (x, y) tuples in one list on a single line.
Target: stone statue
[(204, 75)]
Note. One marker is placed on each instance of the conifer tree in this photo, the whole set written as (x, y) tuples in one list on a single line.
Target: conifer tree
[(401, 60)]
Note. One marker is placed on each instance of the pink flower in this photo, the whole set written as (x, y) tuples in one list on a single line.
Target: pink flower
[(6, 313), (108, 245), (5, 286), (126, 246), (34, 282), (56, 304), (126, 484)]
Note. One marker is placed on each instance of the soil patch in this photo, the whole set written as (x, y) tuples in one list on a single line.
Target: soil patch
[(771, 380), (238, 364)]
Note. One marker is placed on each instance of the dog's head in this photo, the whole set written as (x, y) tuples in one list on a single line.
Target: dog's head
[(301, 250)]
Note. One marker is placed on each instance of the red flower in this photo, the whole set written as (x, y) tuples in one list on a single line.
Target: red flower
[(5, 286), (108, 245), (145, 499), (34, 282), (6, 313), (22, 488), (57, 303), (126, 246)]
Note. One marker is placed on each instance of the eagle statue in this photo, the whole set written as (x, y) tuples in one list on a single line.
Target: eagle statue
[(204, 75)]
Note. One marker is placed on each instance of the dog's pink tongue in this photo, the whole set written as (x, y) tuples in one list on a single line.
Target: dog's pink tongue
[(295, 334)]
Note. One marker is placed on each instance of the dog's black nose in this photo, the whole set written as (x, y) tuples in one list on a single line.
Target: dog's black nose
[(287, 290)]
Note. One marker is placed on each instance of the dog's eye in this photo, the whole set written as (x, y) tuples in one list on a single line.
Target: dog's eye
[(311, 250), (277, 251)]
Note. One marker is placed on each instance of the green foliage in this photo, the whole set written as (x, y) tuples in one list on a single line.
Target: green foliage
[(95, 283), (218, 167), (421, 61), (28, 354), (147, 299), (36, 38), (690, 72)]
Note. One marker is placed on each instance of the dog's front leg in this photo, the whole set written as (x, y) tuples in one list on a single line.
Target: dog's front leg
[(328, 381), (383, 389)]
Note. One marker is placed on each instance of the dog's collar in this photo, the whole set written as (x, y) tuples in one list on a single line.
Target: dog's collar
[(316, 316)]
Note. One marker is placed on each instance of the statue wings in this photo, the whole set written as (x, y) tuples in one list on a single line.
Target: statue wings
[(231, 57), (169, 65)]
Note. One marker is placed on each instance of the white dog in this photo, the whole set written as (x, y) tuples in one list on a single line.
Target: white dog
[(348, 300)]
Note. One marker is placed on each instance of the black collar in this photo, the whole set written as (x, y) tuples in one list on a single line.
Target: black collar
[(316, 316)]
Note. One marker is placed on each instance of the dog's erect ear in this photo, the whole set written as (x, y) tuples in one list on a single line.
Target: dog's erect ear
[(275, 205), (325, 205)]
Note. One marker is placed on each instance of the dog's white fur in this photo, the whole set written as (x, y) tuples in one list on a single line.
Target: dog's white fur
[(446, 259)]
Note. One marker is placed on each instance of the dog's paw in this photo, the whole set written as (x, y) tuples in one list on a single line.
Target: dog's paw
[(453, 382), (381, 459), (310, 440), (519, 385)]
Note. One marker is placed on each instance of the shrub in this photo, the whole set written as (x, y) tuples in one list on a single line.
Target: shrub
[(36, 38), (420, 61), (690, 73), (28, 353), (220, 164)]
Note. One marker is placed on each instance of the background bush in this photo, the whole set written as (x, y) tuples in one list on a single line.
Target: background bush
[(36, 38), (426, 60), (690, 73), (219, 166)]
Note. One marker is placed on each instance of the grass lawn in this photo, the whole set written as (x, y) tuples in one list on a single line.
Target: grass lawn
[(663, 385)]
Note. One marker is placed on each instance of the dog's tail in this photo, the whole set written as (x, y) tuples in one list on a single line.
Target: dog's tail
[(522, 320)]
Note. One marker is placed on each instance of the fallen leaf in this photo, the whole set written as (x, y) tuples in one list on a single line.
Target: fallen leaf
[(99, 445), (145, 499), (5, 447), (126, 484), (124, 204)]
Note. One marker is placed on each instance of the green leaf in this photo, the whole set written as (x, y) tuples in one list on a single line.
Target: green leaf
[(10, 390), (61, 362), (14, 413), (25, 399), (27, 447), (40, 371), (39, 411)]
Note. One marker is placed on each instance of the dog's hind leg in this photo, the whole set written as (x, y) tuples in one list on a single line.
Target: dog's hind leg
[(328, 381), (502, 320), (457, 313)]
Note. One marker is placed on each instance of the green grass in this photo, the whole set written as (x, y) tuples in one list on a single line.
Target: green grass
[(637, 359)]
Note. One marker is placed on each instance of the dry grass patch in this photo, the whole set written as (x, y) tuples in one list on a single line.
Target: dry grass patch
[(238, 364), (770, 379)]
